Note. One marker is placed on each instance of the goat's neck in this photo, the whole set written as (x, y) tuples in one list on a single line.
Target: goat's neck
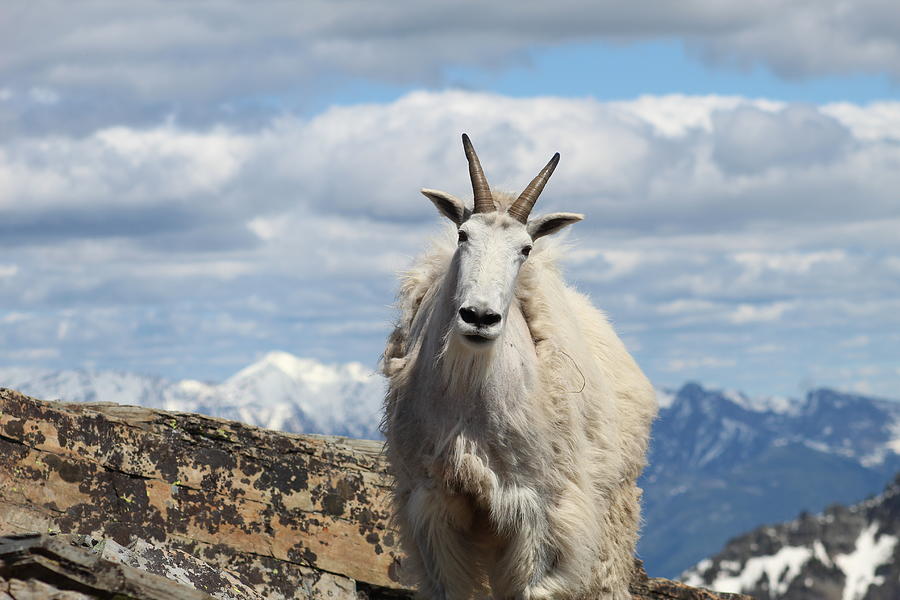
[(494, 379)]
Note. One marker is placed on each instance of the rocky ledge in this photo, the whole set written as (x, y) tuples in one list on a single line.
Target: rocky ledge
[(102, 501)]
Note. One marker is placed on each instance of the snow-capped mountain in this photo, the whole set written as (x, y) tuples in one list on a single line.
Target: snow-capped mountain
[(724, 425), (721, 464), (845, 553), (280, 391)]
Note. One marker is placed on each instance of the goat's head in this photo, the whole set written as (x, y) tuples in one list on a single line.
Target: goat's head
[(492, 247)]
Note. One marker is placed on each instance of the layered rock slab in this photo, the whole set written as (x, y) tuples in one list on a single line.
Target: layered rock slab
[(288, 512), (287, 516)]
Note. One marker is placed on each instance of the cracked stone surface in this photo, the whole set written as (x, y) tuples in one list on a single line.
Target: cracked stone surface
[(296, 516), (275, 515)]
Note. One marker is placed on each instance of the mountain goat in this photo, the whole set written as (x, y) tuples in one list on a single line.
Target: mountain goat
[(516, 421)]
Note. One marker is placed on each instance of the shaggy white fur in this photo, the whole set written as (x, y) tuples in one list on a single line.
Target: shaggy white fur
[(515, 466)]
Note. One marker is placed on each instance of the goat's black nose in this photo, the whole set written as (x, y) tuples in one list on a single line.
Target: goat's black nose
[(479, 318)]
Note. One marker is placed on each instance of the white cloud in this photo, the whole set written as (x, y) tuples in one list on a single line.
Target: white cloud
[(43, 95), (26, 354), (62, 330), (859, 341), (862, 387), (765, 349), (622, 261), (704, 362), (369, 160), (213, 269), (225, 241), (893, 263), (116, 167), (750, 313), (804, 39), (193, 162), (237, 50), (682, 306), (875, 121), (13, 317), (675, 115), (749, 139), (789, 262)]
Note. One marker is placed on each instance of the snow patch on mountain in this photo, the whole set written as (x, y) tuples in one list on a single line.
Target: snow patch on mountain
[(870, 552), (665, 397), (775, 404), (778, 570)]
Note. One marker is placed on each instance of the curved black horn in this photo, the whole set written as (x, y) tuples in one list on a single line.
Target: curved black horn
[(521, 208), (484, 202)]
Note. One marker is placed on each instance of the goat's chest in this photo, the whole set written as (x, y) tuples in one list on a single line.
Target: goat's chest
[(486, 443), (481, 418)]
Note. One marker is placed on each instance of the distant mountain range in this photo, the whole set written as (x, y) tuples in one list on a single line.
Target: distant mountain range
[(720, 464), (845, 553), (280, 391)]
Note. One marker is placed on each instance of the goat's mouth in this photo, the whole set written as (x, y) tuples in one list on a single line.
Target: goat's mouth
[(478, 340), (476, 337)]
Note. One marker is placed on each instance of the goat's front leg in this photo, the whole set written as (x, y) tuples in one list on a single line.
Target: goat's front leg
[(525, 556), (440, 553)]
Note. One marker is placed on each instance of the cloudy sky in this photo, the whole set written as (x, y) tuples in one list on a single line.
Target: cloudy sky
[(184, 187)]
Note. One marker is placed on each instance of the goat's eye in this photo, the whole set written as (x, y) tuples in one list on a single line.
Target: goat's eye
[(463, 236), (526, 250)]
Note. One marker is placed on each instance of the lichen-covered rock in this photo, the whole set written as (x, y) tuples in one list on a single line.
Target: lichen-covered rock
[(295, 516), (277, 515)]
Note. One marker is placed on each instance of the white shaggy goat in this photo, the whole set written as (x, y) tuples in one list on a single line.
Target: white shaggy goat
[(516, 421)]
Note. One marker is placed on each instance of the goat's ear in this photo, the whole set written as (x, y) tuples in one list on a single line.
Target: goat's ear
[(547, 224), (449, 205)]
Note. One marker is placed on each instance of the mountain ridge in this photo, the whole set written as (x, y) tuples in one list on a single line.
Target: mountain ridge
[(279, 391), (843, 553), (718, 468)]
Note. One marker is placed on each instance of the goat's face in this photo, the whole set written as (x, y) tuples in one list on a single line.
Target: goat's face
[(492, 248)]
